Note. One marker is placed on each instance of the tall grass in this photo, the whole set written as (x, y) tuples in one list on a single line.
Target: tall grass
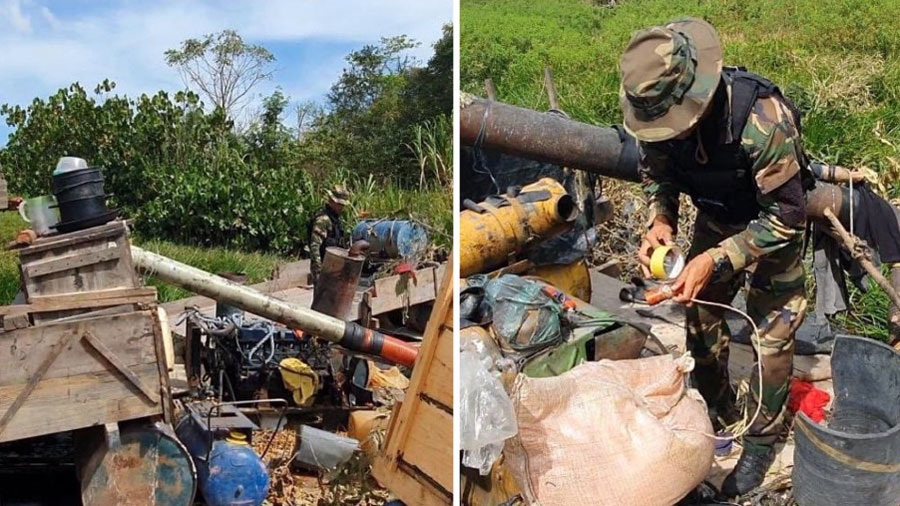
[(432, 145), (838, 60)]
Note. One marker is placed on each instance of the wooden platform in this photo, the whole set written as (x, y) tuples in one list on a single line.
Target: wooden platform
[(388, 294), (68, 375), (417, 462)]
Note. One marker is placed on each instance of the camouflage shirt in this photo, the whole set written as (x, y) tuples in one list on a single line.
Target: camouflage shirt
[(771, 142), (325, 230)]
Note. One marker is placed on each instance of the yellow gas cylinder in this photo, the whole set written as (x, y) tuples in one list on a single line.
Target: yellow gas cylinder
[(573, 279), (488, 238)]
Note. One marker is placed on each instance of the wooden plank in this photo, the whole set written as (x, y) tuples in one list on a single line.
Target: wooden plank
[(73, 402), (129, 336), (125, 308), (439, 382), (18, 309), (407, 488), (429, 444), (120, 366), (396, 444), (164, 386), (61, 343), (398, 291), (72, 261), (111, 293), (112, 229)]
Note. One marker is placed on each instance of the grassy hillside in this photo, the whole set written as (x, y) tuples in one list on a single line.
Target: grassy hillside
[(838, 60)]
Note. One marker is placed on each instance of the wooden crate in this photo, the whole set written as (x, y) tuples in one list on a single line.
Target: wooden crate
[(91, 371), (417, 462), (95, 259)]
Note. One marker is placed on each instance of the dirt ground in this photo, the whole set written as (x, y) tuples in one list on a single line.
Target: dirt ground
[(348, 485)]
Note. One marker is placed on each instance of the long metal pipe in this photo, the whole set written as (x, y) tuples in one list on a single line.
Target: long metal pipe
[(553, 138), (350, 335), (547, 137)]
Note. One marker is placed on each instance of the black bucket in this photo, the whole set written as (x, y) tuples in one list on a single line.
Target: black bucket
[(81, 199), (855, 460)]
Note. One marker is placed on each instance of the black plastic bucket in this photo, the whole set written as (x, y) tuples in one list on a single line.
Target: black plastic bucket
[(81, 199), (855, 459)]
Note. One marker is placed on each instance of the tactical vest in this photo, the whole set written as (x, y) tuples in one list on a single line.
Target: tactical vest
[(724, 186), (335, 234)]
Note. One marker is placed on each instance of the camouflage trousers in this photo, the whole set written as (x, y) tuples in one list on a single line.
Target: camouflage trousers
[(776, 301)]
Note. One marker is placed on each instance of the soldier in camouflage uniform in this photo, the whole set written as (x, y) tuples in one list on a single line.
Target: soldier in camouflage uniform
[(731, 141), (325, 229)]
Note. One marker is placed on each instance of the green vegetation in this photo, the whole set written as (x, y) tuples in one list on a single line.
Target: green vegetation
[(10, 224), (188, 175), (836, 59)]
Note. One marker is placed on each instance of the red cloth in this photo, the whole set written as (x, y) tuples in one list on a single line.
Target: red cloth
[(406, 268), (807, 398)]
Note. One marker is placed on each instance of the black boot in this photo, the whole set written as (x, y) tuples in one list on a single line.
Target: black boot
[(749, 472), (724, 412)]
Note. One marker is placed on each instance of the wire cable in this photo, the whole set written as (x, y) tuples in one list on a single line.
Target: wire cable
[(757, 343)]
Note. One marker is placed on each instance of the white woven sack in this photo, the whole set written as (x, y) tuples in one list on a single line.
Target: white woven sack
[(610, 433)]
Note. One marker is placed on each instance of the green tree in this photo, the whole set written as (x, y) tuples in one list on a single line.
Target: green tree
[(223, 67), (430, 90)]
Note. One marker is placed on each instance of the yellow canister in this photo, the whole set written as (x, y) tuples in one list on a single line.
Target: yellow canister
[(488, 239)]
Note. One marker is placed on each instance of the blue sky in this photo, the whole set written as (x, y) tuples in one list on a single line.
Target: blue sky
[(47, 45)]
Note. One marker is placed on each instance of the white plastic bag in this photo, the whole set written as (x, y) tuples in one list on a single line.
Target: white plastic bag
[(486, 413)]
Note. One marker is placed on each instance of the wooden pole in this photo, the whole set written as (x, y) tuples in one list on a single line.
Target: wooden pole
[(551, 89), (859, 252), (490, 89)]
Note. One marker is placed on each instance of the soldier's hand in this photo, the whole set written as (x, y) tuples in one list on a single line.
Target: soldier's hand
[(693, 279), (661, 233)]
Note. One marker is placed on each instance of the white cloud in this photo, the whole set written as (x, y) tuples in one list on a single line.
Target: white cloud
[(47, 46), (50, 18), (11, 12)]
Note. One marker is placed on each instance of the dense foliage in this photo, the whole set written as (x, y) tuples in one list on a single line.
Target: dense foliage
[(186, 174)]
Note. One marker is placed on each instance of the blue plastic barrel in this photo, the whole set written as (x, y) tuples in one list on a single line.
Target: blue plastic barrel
[(392, 238), (233, 475)]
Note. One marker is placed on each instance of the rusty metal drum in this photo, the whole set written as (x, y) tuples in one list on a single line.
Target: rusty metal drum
[(144, 465), (336, 287)]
